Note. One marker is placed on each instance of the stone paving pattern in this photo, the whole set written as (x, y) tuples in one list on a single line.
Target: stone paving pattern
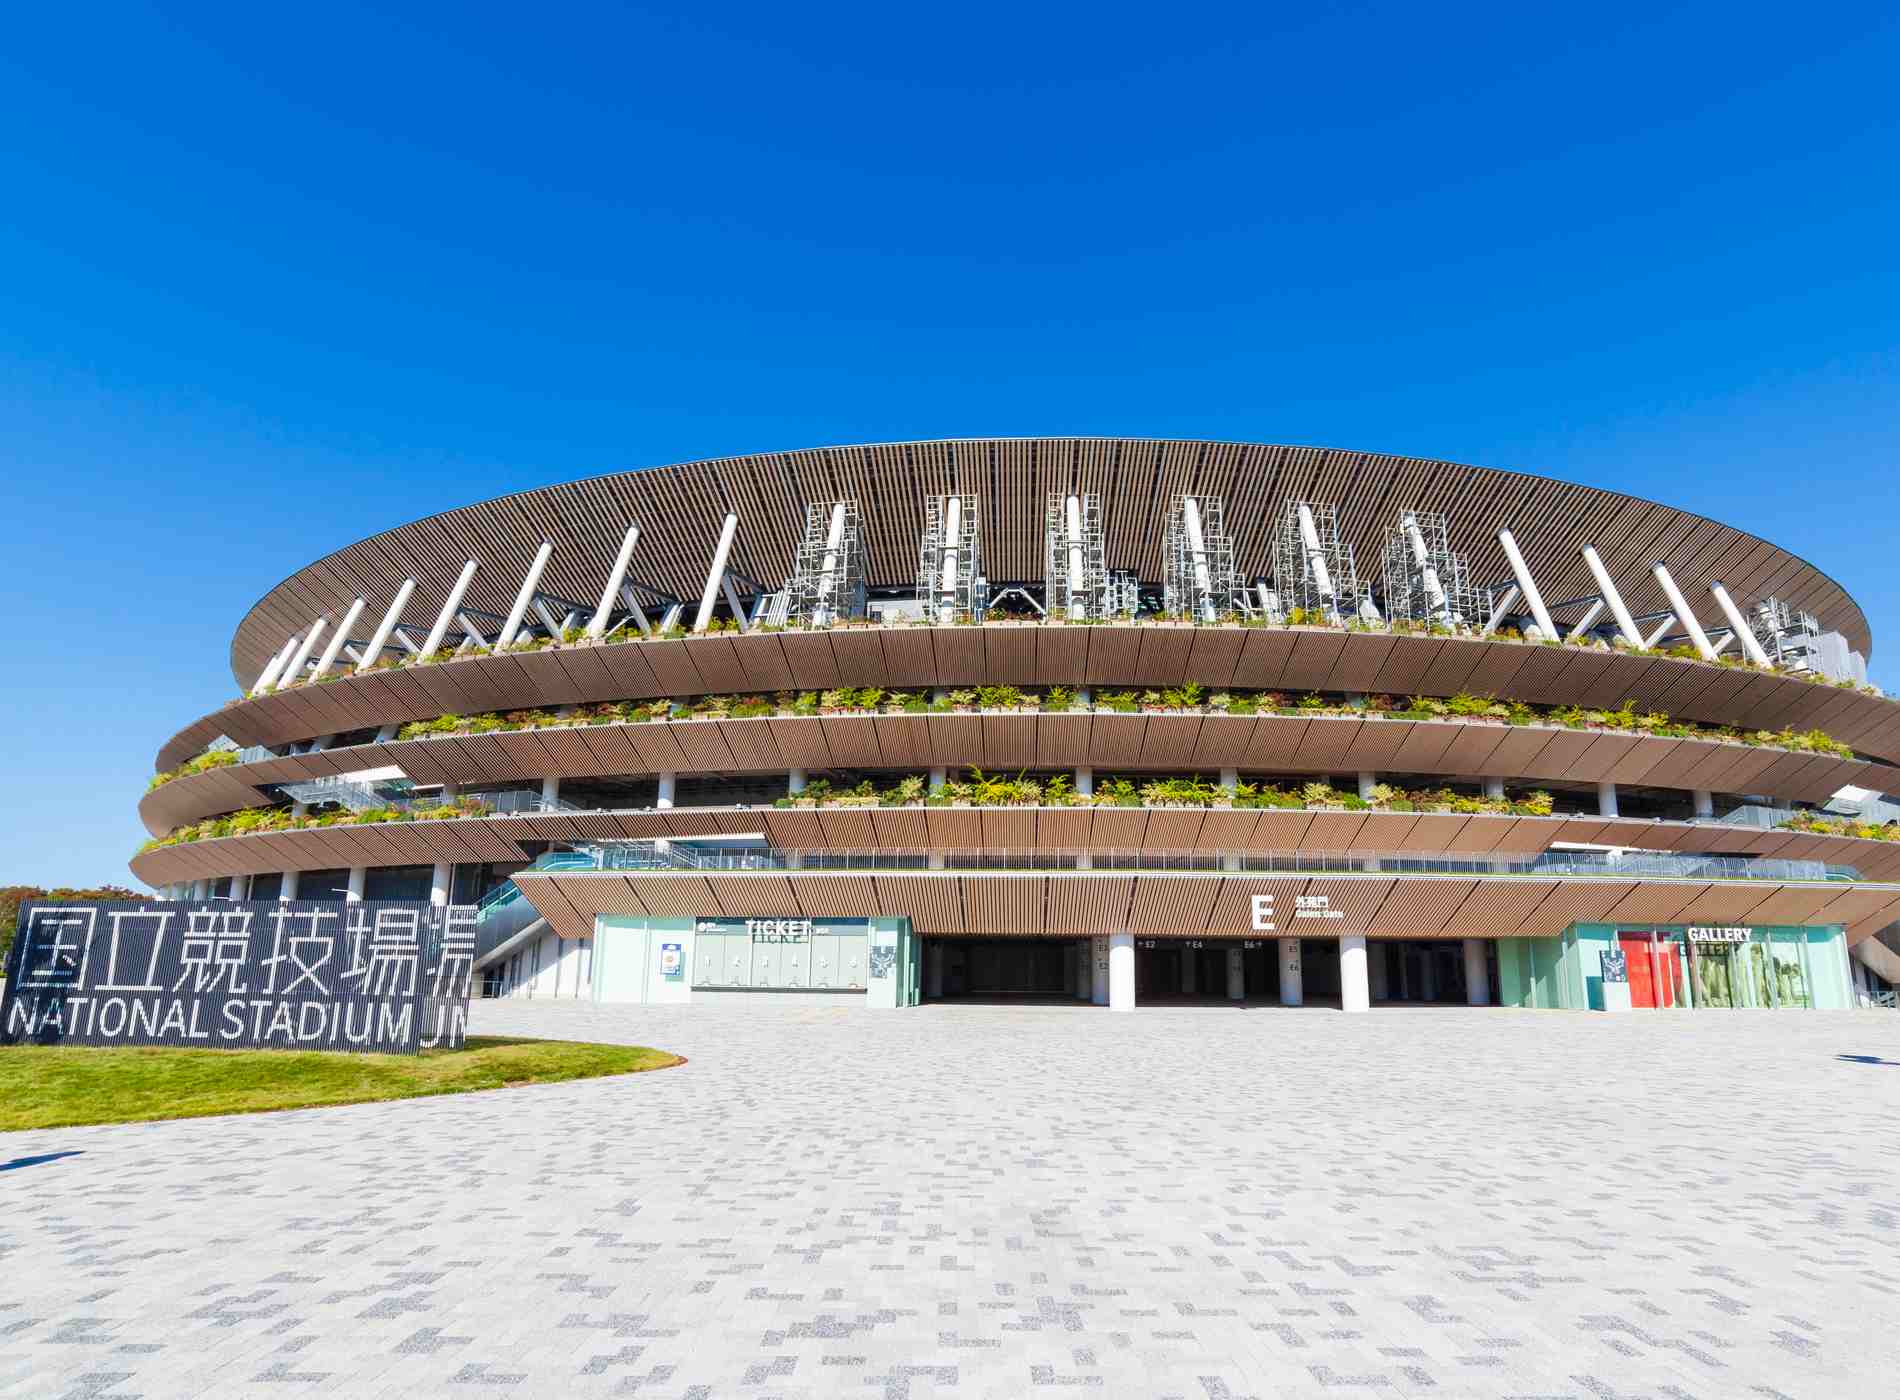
[(1005, 1201)]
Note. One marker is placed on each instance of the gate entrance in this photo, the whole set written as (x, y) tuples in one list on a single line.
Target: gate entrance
[(1004, 969)]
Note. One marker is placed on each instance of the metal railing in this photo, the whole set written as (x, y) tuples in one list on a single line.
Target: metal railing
[(683, 855)]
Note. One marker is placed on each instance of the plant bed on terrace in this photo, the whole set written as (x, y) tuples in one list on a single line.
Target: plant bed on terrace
[(62, 1086), (1298, 619)]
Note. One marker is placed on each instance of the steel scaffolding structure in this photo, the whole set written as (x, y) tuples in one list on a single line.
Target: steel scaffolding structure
[(1313, 568), (1197, 559), (1121, 597), (1074, 557), (1790, 638), (827, 580), (950, 579), (1426, 580)]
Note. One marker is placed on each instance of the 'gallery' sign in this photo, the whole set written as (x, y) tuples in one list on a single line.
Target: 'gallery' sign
[(385, 976)]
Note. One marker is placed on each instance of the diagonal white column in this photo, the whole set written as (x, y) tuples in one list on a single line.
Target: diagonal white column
[(276, 666), (717, 573), (447, 615), (1500, 608), (302, 654), (1662, 629), (1584, 623), (1527, 586), (597, 627), (1681, 605), (506, 637), (1743, 632), (1625, 624), (337, 639), (380, 637)]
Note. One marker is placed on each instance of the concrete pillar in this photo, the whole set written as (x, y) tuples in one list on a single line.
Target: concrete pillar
[(1428, 972), (795, 781), (939, 775), (669, 783), (1704, 804), (1098, 969), (550, 791), (1292, 980), (289, 888), (1380, 964), (1190, 971), (200, 891), (359, 875), (1352, 972), (1494, 787), (933, 969), (1085, 781), (1121, 972), (441, 882), (1606, 799), (1477, 976), (1236, 975), (1367, 782), (1084, 978)]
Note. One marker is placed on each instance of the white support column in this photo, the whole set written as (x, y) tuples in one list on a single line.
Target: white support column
[(734, 602), (1292, 980), (939, 775), (337, 639), (1098, 969), (1428, 576), (947, 581), (1743, 632), (1606, 799), (441, 880), (380, 637), (550, 793), (1494, 787), (795, 781), (1078, 600), (822, 609), (1236, 974), (1586, 622), (1121, 972), (1503, 605), (523, 597), (716, 575), (268, 676), (291, 880), (1660, 631), (1352, 972), (1527, 586), (597, 626), (440, 631), (669, 784), (1477, 975), (1367, 782), (1316, 559), (1704, 804), (240, 887), (1683, 611), (292, 671), (1625, 624), (359, 877)]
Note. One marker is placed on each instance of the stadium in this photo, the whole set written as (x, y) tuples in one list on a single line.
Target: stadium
[(1118, 722)]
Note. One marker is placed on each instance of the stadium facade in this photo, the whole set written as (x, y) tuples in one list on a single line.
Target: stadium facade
[(1126, 722)]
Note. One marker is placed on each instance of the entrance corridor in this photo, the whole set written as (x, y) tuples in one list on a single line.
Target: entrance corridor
[(1123, 972)]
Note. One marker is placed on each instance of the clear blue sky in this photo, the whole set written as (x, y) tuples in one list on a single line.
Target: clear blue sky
[(273, 279)]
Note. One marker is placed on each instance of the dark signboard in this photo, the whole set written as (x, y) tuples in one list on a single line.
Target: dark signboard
[(361, 975)]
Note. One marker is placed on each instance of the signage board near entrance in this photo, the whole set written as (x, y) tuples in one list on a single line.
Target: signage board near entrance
[(1702, 934)]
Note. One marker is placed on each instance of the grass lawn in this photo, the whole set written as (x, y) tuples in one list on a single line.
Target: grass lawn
[(67, 1086)]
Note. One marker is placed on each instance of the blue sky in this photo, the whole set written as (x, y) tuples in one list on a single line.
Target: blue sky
[(273, 279)]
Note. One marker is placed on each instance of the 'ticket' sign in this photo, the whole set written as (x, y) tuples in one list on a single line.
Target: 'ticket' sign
[(386, 976)]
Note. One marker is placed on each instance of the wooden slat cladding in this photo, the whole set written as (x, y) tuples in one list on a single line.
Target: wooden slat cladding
[(1193, 906), (1262, 658), (681, 508)]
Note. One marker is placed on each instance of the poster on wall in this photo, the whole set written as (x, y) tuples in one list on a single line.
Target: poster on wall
[(362, 975)]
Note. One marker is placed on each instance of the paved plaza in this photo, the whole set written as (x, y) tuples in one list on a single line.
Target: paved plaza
[(999, 1201)]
